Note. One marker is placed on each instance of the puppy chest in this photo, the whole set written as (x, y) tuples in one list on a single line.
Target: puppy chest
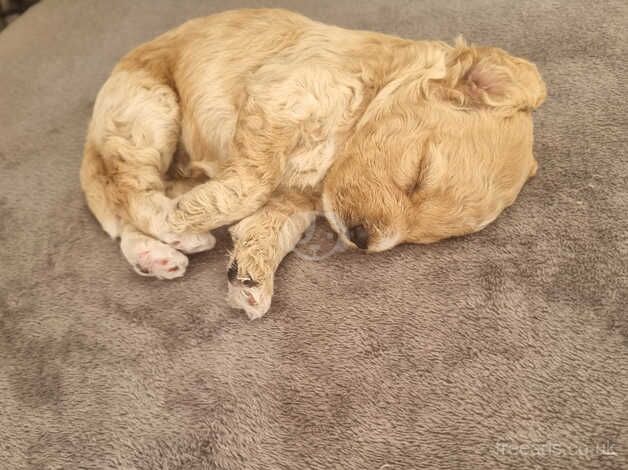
[(307, 167)]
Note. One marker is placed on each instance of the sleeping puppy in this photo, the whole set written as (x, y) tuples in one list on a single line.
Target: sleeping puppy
[(266, 118)]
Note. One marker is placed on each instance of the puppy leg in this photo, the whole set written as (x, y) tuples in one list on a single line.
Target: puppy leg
[(150, 257), (233, 195), (257, 156), (260, 243), (130, 145), (151, 208)]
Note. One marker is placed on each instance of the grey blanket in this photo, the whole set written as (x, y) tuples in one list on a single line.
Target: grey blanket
[(505, 349)]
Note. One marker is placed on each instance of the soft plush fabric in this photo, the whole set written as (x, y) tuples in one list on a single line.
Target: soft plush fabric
[(505, 349)]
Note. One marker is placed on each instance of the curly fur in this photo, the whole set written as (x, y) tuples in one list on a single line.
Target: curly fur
[(413, 141)]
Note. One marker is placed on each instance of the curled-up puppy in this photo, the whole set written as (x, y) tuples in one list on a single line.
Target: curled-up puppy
[(264, 118)]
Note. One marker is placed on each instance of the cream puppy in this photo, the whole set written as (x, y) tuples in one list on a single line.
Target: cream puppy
[(266, 118)]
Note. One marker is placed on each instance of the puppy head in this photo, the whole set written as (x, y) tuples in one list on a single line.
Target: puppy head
[(398, 178), (368, 195), (363, 206)]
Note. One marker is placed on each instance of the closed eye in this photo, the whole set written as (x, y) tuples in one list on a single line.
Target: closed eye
[(411, 181), (410, 171)]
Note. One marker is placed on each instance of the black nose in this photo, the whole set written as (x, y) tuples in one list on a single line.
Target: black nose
[(359, 236)]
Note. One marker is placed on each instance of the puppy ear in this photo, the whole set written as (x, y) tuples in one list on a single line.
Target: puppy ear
[(484, 76)]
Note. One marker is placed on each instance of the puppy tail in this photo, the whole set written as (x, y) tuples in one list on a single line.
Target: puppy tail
[(491, 77), (94, 184)]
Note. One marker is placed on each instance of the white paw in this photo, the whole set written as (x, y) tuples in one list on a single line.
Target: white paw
[(255, 301), (190, 242), (150, 257), (186, 242), (247, 294)]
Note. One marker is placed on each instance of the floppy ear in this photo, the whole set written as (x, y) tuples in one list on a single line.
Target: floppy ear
[(491, 77)]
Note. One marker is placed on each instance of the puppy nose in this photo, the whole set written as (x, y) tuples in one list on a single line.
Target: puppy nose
[(359, 236)]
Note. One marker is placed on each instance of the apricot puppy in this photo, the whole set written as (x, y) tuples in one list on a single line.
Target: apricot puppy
[(265, 118)]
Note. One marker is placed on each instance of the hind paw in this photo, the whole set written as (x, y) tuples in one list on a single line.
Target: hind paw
[(161, 262), (150, 257)]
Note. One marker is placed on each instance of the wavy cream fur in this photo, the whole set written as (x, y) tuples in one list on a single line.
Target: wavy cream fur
[(258, 116)]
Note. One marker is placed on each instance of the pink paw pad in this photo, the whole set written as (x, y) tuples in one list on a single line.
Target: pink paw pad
[(165, 263)]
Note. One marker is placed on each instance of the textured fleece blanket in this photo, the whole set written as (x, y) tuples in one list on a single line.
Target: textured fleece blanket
[(504, 349)]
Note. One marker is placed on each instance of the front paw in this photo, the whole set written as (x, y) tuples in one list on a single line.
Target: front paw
[(251, 294), (175, 217), (179, 236), (190, 242)]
